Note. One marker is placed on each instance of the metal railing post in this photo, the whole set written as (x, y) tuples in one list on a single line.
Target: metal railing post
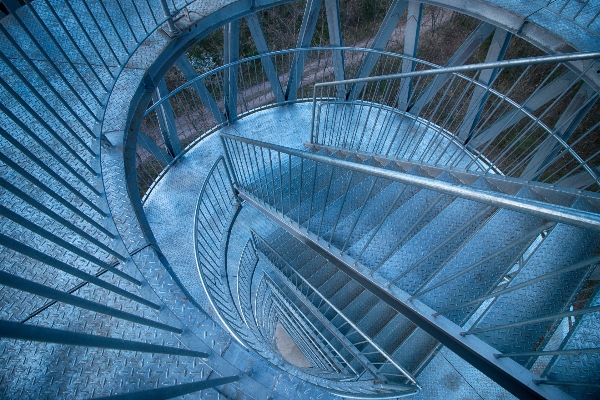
[(172, 30)]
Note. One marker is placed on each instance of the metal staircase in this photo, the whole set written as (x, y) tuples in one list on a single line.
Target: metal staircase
[(388, 250), (381, 246)]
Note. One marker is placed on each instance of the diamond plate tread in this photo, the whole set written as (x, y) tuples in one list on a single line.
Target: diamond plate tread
[(352, 208), (394, 333), (404, 223), (582, 368), (386, 196), (364, 219), (334, 284), (360, 306), (452, 220), (504, 228), (26, 140), (320, 199), (542, 298), (41, 370), (457, 378), (415, 350), (376, 319), (20, 233), (314, 265), (227, 358), (56, 228), (376, 194), (321, 195), (50, 74), (347, 294), (20, 87), (322, 275), (358, 183)]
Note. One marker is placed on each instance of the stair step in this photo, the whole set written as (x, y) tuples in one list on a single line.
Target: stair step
[(322, 275), (347, 183), (415, 350), (368, 214), (373, 322), (394, 333), (360, 306), (334, 284), (347, 294), (543, 298), (401, 225), (494, 240), (416, 261)]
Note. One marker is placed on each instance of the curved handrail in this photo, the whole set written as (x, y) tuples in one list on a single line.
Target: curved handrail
[(355, 327), (321, 82), (218, 250), (456, 71)]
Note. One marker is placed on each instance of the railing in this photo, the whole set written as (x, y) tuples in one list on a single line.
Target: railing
[(507, 117), (386, 367), (262, 168), (321, 352), (194, 110), (294, 188), (487, 109), (216, 212), (60, 61)]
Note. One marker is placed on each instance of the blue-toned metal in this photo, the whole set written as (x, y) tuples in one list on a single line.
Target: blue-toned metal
[(39, 334), (86, 283), (170, 392), (307, 290), (555, 212), (260, 182)]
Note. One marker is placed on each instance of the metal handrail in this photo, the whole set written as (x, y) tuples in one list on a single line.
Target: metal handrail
[(533, 207), (433, 70), (456, 70), (147, 184), (306, 283), (277, 53), (294, 309)]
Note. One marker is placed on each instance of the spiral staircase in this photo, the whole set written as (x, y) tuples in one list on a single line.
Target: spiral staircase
[(411, 228)]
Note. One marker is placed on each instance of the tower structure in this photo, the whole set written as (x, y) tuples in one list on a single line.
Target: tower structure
[(402, 212)]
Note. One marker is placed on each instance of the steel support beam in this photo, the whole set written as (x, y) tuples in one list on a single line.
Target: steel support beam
[(496, 52), (267, 62), (166, 120), (509, 374), (580, 180), (149, 145), (307, 29), (231, 53), (169, 392), (34, 254), (411, 45), (28, 286), (332, 10), (386, 29), (475, 39), (570, 119), (190, 73), (536, 100), (38, 230)]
